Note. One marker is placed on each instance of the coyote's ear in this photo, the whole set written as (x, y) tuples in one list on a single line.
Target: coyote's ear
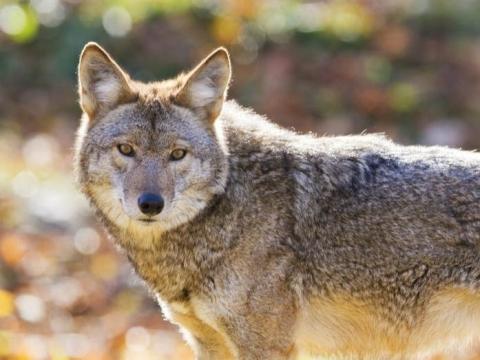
[(206, 86), (102, 84)]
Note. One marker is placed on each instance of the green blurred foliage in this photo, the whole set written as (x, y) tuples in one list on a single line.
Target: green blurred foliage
[(401, 67)]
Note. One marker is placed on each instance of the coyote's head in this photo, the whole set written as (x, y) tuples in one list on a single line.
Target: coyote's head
[(149, 156)]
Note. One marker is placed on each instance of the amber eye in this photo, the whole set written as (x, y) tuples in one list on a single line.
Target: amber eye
[(178, 154), (125, 149)]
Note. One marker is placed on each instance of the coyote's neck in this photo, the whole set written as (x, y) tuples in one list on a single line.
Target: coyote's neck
[(177, 263), (169, 271)]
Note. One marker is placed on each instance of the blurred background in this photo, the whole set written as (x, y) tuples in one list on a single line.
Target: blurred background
[(410, 69)]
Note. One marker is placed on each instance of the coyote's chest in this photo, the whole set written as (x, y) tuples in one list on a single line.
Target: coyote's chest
[(199, 320)]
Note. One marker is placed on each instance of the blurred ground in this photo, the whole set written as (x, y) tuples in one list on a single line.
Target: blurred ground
[(410, 69)]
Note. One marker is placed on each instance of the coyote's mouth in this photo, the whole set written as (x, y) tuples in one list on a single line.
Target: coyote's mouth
[(148, 221)]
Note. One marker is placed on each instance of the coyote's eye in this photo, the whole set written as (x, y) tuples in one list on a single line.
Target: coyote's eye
[(125, 149), (178, 154)]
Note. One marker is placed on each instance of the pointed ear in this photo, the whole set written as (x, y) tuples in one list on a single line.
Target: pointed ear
[(206, 86), (102, 84)]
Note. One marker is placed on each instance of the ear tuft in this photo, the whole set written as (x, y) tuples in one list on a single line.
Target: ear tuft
[(206, 86), (102, 83)]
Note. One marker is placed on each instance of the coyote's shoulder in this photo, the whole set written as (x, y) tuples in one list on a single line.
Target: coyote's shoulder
[(261, 242)]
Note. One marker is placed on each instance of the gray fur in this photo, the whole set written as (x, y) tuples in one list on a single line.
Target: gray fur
[(285, 219)]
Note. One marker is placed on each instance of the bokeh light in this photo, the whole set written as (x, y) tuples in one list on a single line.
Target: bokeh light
[(117, 21), (86, 241), (30, 307), (51, 13), (12, 19), (18, 22)]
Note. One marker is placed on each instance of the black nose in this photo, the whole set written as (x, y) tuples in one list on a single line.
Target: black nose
[(150, 204)]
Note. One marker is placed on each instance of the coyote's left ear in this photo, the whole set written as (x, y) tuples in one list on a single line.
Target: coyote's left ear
[(102, 84), (206, 86)]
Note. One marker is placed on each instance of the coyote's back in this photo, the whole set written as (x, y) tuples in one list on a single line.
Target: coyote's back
[(395, 240), (262, 243)]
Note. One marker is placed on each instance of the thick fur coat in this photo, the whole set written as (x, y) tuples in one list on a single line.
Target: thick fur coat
[(272, 243)]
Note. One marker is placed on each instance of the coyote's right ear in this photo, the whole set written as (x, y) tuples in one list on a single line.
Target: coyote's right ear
[(102, 84), (206, 86)]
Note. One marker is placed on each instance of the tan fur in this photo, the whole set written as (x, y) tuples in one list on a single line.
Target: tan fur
[(344, 325), (272, 244), (343, 328), (201, 331), (450, 321)]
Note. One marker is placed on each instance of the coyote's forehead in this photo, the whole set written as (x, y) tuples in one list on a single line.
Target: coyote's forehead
[(153, 126)]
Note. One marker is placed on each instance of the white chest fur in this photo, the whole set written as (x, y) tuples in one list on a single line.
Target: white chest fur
[(201, 326)]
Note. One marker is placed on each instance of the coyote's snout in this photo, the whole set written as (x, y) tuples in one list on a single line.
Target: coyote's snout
[(150, 204), (262, 243)]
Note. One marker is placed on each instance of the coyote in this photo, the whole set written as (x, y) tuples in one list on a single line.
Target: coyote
[(261, 243)]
